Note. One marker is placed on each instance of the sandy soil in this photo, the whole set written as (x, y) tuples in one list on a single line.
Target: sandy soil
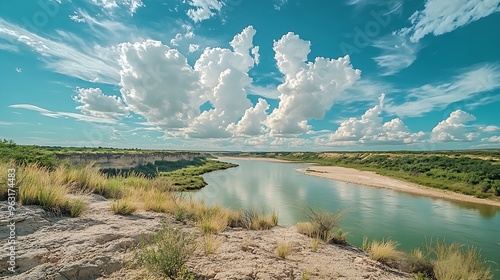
[(372, 179)]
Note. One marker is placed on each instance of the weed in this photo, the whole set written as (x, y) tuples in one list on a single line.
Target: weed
[(283, 249)]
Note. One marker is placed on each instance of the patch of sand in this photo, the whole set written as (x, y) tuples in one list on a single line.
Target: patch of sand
[(372, 179)]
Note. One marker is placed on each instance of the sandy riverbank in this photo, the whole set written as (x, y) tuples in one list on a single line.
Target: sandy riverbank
[(373, 179)]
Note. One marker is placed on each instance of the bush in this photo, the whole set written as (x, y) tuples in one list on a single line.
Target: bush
[(321, 226), (255, 220), (167, 252)]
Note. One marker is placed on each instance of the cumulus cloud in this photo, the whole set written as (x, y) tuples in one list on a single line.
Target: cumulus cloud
[(454, 128), (370, 129), (309, 88), (490, 128), (440, 17), (252, 122), (96, 103), (159, 84), (492, 139), (225, 73), (203, 9)]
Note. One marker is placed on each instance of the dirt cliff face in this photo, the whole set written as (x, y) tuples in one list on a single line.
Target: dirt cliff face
[(126, 160)]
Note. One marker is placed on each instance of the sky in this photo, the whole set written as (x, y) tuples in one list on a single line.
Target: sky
[(240, 75)]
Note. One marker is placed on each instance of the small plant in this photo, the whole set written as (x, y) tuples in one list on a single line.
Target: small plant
[(305, 275), (340, 237), (211, 244), (315, 244), (76, 206), (167, 252), (123, 207), (283, 249), (245, 244), (321, 226), (255, 220), (213, 223)]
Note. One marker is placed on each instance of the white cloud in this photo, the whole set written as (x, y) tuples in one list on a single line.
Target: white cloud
[(492, 139), (100, 63), (252, 122), (454, 128), (97, 104), (397, 53), (370, 129), (19, 70), (309, 88), (466, 86), (52, 114), (225, 74), (490, 128), (159, 84), (76, 17), (279, 4), (193, 48), (440, 17), (111, 5), (203, 9), (269, 91)]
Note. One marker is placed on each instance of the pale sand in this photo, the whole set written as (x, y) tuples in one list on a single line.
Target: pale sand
[(373, 179)]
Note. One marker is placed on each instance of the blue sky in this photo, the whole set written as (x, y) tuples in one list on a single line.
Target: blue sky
[(251, 75)]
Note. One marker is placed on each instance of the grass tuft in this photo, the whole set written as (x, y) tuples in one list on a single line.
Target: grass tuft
[(384, 251), (453, 261), (210, 244), (123, 207), (76, 206), (283, 249)]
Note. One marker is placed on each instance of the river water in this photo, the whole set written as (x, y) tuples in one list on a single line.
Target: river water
[(373, 212)]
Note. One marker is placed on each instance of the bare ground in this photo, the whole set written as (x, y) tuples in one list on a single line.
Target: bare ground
[(97, 246)]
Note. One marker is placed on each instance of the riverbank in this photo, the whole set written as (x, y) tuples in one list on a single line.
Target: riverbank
[(372, 179), (97, 245), (256, 158)]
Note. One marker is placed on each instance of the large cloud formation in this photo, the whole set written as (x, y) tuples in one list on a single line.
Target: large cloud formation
[(454, 128), (370, 129), (309, 89)]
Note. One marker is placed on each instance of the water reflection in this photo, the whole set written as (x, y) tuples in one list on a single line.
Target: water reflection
[(373, 212)]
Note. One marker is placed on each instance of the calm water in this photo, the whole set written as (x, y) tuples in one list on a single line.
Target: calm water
[(372, 212)]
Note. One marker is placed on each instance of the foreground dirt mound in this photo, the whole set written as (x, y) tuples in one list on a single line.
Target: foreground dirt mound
[(96, 246)]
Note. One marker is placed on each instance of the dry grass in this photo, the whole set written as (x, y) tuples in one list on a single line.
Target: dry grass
[(315, 244), (123, 207), (283, 249), (384, 251), (256, 220), (211, 243), (77, 206), (453, 261)]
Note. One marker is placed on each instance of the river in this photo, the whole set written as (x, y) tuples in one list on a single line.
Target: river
[(372, 212)]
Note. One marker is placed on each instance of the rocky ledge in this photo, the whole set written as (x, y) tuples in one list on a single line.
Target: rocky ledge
[(97, 245)]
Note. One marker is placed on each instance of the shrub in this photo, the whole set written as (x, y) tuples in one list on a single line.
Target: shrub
[(455, 262), (123, 207), (283, 249), (167, 252), (321, 226), (255, 220)]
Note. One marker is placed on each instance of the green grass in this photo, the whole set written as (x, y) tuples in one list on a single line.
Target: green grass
[(123, 207), (167, 252)]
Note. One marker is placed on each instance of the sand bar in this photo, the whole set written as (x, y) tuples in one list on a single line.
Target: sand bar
[(373, 179)]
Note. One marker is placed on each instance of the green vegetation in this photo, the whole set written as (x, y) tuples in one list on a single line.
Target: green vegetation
[(123, 207), (167, 252), (469, 172), (19, 154)]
